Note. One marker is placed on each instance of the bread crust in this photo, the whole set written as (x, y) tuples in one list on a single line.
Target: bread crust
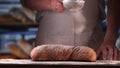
[(54, 52)]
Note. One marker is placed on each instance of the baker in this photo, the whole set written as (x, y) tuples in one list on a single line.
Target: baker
[(57, 25)]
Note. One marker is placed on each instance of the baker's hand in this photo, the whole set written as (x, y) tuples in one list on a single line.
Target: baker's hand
[(108, 51), (57, 5), (52, 5)]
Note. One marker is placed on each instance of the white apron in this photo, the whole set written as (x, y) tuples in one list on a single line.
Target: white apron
[(71, 28)]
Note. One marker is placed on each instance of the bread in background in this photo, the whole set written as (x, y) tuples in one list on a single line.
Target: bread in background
[(25, 46), (7, 56), (17, 51)]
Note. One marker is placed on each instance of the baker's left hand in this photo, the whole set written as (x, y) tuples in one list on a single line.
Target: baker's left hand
[(108, 51)]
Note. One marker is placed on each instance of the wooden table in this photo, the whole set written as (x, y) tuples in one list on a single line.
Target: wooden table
[(12, 63)]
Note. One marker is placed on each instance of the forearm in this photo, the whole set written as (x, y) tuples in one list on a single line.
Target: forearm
[(36, 4), (113, 21)]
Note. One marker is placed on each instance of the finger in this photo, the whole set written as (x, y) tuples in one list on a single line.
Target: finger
[(53, 5), (99, 53), (59, 7), (104, 52), (115, 55), (110, 53), (61, 3), (118, 56)]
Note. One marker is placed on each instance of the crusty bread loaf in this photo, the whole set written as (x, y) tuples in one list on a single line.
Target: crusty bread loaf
[(63, 52)]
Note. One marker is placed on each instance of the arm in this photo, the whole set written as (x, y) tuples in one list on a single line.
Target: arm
[(113, 16), (54, 5), (108, 44)]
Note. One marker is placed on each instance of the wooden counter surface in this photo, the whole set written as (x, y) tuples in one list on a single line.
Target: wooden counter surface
[(6, 63)]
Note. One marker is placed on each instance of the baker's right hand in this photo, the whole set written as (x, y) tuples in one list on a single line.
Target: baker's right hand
[(52, 5), (56, 5)]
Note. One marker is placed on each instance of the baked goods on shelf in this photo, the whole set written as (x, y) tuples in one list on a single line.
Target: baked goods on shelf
[(7, 56), (7, 19), (25, 46), (18, 16), (17, 51)]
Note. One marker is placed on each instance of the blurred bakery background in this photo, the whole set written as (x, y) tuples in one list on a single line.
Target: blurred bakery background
[(17, 30)]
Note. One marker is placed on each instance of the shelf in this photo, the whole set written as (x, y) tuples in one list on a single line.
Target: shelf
[(18, 32), (17, 26)]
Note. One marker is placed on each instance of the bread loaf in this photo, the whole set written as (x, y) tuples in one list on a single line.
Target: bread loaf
[(17, 51), (7, 56), (25, 46), (63, 52)]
